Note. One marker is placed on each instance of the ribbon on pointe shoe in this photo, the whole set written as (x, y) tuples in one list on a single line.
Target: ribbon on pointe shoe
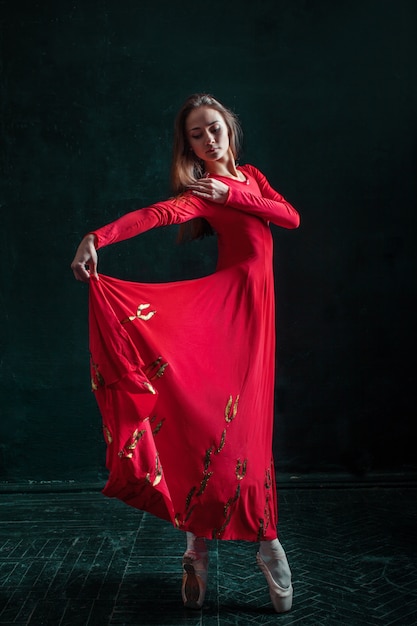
[(194, 579)]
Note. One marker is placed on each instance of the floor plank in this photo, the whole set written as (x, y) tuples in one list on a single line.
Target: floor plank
[(80, 559)]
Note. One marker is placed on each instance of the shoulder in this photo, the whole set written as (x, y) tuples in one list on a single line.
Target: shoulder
[(182, 206), (251, 170)]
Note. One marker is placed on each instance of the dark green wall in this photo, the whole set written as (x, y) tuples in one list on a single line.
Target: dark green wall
[(326, 93)]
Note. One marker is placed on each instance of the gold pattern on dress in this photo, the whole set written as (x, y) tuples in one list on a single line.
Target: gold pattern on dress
[(136, 437), (261, 531), (241, 469), (217, 533), (203, 484), (222, 442), (158, 473), (107, 434), (207, 458), (127, 451), (231, 501), (139, 315), (97, 379), (268, 479), (158, 427), (157, 480), (189, 497), (230, 411), (187, 517), (267, 514), (161, 371), (265, 521), (228, 407), (177, 520), (125, 455), (149, 387), (152, 365), (158, 366)]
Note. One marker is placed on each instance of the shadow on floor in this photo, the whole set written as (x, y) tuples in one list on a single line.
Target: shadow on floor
[(80, 559)]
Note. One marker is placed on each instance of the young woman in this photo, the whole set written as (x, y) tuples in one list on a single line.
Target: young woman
[(183, 372)]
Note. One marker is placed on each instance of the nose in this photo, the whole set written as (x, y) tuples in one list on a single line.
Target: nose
[(210, 138)]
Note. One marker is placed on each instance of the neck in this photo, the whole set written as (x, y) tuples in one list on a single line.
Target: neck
[(223, 167)]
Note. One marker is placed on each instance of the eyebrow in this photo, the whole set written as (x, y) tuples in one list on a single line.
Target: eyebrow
[(198, 127)]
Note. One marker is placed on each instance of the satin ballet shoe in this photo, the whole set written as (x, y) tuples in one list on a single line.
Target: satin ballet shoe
[(281, 597), (194, 579)]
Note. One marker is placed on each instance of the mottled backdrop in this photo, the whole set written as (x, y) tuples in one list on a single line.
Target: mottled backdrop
[(326, 93)]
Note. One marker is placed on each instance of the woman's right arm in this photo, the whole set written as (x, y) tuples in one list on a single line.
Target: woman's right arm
[(173, 211)]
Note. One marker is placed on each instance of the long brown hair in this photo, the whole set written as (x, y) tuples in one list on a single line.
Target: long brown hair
[(186, 168)]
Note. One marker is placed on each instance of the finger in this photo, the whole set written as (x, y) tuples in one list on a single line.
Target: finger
[(80, 272), (202, 182), (201, 194), (197, 188), (93, 270)]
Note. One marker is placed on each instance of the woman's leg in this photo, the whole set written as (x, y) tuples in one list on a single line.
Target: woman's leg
[(273, 555), (272, 560), (195, 566), (196, 544)]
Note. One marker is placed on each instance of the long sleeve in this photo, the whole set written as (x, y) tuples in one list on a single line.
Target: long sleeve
[(271, 206), (172, 211)]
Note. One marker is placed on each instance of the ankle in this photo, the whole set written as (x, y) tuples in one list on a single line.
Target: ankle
[(271, 550), (196, 544), (273, 555)]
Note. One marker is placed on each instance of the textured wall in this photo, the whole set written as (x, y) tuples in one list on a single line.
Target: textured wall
[(327, 98)]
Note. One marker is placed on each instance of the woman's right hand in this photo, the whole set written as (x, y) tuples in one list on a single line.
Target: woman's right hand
[(85, 261)]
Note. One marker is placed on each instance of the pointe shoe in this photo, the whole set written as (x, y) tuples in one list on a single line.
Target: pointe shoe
[(281, 597), (194, 579)]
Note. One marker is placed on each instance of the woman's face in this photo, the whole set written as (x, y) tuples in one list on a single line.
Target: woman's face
[(207, 134)]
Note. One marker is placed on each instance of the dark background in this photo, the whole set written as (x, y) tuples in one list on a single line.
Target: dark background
[(326, 94)]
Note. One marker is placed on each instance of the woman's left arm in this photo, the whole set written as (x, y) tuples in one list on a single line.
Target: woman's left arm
[(270, 205)]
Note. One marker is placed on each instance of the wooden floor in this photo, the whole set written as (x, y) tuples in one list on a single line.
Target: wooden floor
[(80, 559)]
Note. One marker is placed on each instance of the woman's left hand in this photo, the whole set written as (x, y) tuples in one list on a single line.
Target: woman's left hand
[(210, 189)]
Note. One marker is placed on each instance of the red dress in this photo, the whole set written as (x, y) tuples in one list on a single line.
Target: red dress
[(183, 372)]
